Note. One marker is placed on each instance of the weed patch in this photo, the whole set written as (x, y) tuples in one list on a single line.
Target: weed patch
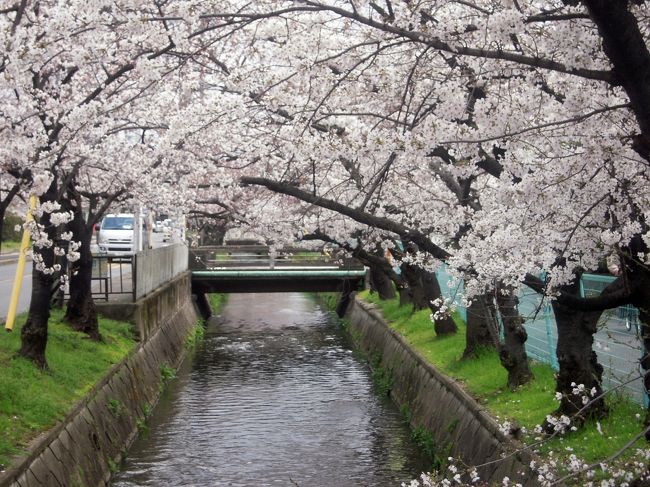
[(381, 377), (115, 407), (425, 442), (217, 302), (167, 373), (195, 336)]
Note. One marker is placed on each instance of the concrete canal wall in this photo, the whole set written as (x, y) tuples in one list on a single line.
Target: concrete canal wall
[(459, 426), (88, 444)]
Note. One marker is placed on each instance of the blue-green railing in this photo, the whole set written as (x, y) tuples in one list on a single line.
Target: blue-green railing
[(617, 342)]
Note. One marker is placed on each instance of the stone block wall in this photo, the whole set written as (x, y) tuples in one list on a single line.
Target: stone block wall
[(82, 450), (459, 426)]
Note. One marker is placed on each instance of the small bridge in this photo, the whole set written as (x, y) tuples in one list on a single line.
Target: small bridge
[(254, 269)]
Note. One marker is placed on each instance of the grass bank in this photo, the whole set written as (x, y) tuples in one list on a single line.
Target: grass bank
[(10, 246), (32, 401), (485, 379)]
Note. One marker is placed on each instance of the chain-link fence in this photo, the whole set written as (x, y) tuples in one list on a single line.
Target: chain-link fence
[(617, 342)]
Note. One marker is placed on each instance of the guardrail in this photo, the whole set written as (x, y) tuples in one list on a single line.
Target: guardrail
[(112, 275), (135, 276), (154, 267), (257, 257)]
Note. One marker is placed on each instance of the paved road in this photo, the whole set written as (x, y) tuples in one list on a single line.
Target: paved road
[(7, 274)]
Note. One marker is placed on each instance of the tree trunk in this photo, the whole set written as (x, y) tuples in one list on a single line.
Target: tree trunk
[(381, 283), (213, 233), (624, 43), (638, 274), (4, 204), (405, 297), (417, 294), (512, 351), (345, 298), (81, 313), (644, 319), (577, 360), (3, 209), (33, 336), (482, 331), (424, 289)]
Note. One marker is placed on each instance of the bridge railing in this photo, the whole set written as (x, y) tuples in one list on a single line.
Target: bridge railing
[(260, 257)]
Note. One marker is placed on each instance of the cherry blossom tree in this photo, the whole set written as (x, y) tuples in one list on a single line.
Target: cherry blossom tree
[(70, 77), (505, 140), (549, 133)]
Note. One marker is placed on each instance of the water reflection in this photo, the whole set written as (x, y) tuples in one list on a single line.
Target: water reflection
[(273, 397)]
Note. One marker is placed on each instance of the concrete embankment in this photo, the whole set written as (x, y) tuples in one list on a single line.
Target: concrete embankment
[(89, 443), (436, 403)]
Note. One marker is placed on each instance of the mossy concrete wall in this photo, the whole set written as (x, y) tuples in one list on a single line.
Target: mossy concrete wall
[(83, 449), (459, 426)]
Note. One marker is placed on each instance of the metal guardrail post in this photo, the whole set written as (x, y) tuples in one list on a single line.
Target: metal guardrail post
[(134, 275)]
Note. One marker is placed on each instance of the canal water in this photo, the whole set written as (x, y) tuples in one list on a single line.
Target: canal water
[(273, 397)]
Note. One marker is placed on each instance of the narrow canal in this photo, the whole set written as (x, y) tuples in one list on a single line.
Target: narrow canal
[(273, 396)]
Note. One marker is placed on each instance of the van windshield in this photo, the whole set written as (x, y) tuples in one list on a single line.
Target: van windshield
[(118, 223)]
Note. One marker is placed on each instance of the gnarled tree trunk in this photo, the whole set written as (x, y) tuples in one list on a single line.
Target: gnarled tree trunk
[(4, 204), (81, 313), (512, 351), (637, 272), (644, 318), (381, 283), (423, 288), (33, 336), (577, 360), (481, 331)]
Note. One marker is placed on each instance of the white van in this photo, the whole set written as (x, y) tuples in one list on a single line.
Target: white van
[(115, 237)]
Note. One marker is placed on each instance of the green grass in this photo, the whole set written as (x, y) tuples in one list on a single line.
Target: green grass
[(329, 300), (195, 336), (32, 401), (10, 246), (485, 379), (618, 428), (217, 302), (307, 255)]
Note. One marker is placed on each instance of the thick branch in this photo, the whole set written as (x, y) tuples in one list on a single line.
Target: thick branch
[(626, 48), (614, 295), (360, 216), (439, 44)]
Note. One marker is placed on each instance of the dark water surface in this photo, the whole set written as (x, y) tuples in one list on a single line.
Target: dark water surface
[(273, 397)]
